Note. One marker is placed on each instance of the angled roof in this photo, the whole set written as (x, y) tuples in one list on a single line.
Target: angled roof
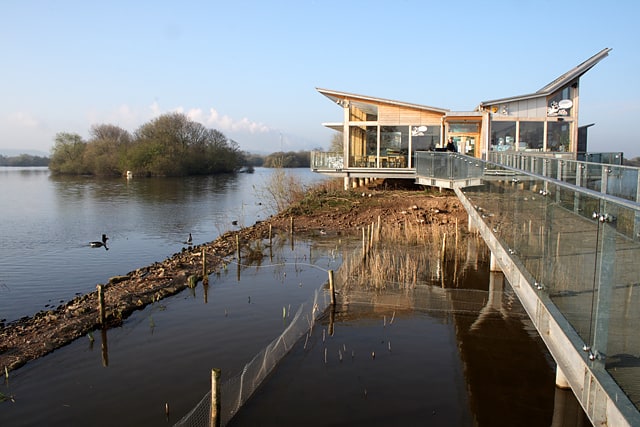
[(561, 81), (360, 100)]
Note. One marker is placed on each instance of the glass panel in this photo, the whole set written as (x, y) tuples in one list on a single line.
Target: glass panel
[(503, 135), (425, 138), (558, 136), (462, 127), (592, 178), (357, 146), (560, 104), (572, 257), (394, 146), (531, 136), (622, 182)]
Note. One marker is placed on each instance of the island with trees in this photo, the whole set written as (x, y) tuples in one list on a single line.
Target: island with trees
[(169, 145)]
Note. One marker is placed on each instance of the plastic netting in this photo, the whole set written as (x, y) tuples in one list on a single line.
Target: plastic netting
[(237, 390)]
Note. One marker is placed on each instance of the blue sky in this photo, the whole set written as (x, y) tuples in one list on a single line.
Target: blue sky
[(250, 68)]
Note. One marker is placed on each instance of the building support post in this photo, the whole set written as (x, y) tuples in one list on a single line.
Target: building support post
[(493, 263), (561, 379)]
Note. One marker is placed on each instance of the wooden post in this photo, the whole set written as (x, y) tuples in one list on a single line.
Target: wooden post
[(101, 305), (270, 235), (291, 226), (215, 397), (205, 274), (371, 235), (238, 247), (364, 241), (332, 288)]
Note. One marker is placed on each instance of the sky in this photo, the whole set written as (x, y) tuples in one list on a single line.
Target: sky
[(250, 69)]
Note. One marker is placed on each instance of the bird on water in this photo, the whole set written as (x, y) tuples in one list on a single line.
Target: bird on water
[(189, 240), (100, 244)]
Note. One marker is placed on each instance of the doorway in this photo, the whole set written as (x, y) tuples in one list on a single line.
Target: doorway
[(467, 143)]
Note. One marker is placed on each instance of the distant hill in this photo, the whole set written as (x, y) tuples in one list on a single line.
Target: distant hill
[(12, 152)]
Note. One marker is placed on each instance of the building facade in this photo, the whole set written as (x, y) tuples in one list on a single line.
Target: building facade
[(380, 136)]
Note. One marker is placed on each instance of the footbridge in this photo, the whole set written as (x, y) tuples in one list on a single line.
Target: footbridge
[(566, 235)]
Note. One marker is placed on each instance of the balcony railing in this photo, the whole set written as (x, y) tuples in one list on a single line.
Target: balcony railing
[(600, 174)]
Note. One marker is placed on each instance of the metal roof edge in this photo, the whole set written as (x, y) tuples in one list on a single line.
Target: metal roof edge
[(333, 95)]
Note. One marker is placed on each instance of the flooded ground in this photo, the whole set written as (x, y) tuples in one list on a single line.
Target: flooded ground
[(453, 348), (456, 353)]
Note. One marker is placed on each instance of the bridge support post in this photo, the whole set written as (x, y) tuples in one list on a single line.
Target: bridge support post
[(561, 379), (470, 224), (346, 183), (493, 263)]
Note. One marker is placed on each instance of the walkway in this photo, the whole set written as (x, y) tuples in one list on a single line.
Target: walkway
[(571, 255)]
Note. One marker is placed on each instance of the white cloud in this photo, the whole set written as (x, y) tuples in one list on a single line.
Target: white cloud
[(226, 123), (24, 120)]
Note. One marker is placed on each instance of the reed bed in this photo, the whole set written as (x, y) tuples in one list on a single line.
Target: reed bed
[(407, 254)]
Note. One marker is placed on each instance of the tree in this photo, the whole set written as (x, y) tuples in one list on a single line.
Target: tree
[(106, 150), (169, 145), (67, 154), (336, 143)]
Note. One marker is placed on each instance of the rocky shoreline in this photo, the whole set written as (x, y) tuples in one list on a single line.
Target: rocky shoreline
[(29, 338)]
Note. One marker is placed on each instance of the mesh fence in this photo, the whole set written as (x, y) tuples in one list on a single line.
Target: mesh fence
[(237, 390)]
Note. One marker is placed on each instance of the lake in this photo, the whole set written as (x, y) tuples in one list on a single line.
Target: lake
[(437, 360), (47, 223)]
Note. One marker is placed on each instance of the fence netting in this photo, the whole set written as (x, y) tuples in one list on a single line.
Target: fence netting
[(237, 390)]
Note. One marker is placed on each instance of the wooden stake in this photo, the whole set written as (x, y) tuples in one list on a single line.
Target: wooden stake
[(205, 274), (444, 244), (291, 226), (238, 247), (332, 288), (364, 242), (215, 397), (101, 305)]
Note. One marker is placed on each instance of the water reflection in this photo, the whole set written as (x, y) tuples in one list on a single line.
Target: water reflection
[(48, 223), (453, 348)]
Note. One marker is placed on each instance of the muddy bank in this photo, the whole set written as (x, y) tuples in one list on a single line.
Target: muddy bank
[(332, 212)]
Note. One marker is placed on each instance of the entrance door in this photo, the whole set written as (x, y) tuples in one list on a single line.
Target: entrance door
[(466, 143)]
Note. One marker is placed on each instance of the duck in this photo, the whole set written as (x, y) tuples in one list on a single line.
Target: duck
[(100, 244), (189, 240)]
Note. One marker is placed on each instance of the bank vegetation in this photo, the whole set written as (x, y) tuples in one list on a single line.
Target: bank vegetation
[(169, 145)]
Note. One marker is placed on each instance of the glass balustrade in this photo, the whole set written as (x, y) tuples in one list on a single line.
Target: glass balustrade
[(579, 245)]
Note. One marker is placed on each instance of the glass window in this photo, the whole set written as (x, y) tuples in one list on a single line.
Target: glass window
[(425, 138), (560, 103), (394, 146), (503, 135), (558, 136), (372, 140), (394, 139), (531, 136), (463, 127)]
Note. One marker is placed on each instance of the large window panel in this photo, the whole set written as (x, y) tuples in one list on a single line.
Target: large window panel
[(394, 146), (425, 138), (503, 135), (558, 136), (531, 136)]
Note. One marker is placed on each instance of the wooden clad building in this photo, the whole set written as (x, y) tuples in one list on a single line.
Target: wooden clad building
[(381, 136)]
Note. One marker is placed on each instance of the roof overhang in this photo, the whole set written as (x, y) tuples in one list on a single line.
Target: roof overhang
[(571, 75), (335, 126), (366, 103)]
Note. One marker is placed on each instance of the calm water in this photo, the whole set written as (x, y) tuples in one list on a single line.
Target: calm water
[(440, 365), (46, 224)]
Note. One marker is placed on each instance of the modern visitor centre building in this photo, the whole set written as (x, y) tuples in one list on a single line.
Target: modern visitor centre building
[(381, 136)]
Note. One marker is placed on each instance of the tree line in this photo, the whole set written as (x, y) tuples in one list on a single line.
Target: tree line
[(23, 160), (169, 145)]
